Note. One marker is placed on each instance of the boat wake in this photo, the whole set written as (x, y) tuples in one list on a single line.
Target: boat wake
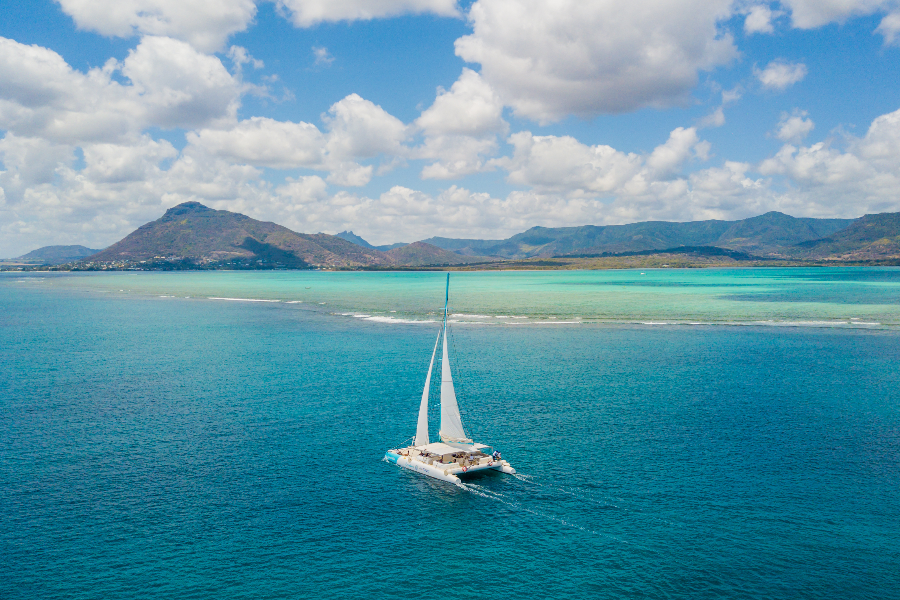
[(517, 505), (607, 502), (548, 491)]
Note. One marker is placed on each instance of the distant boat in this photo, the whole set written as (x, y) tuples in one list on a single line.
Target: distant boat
[(456, 454)]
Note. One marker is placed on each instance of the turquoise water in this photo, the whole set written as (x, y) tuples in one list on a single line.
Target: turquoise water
[(156, 445)]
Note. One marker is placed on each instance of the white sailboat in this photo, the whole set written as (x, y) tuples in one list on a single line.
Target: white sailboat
[(456, 454)]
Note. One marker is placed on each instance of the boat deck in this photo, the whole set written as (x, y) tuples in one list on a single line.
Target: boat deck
[(449, 465)]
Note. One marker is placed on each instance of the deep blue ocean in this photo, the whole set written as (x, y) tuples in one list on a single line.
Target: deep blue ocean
[(154, 445)]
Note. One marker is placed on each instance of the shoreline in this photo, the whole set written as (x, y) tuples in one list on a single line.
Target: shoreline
[(661, 261)]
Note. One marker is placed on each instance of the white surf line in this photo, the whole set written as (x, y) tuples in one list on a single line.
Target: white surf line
[(395, 320), (385, 318), (242, 299)]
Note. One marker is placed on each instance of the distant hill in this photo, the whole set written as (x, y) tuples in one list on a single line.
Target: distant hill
[(56, 255), (419, 254), (194, 232), (387, 247), (352, 237), (765, 234), (463, 246), (769, 233), (872, 237)]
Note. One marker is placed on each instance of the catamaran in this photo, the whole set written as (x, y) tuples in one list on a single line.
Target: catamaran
[(456, 454)]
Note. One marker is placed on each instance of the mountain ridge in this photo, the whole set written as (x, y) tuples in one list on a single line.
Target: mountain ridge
[(191, 235), (765, 234), (55, 255), (194, 234)]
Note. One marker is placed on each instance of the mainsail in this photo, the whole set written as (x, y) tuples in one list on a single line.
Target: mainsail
[(451, 424), (422, 426)]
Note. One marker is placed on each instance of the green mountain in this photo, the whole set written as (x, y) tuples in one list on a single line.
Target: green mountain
[(766, 234), (420, 254), (465, 247), (770, 233), (872, 237), (56, 255), (196, 233)]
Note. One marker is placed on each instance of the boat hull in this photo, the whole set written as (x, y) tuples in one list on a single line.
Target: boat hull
[(451, 475)]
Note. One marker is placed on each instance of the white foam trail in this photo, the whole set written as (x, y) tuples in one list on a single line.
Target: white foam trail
[(167, 296), (294, 302), (484, 493), (604, 501), (241, 299)]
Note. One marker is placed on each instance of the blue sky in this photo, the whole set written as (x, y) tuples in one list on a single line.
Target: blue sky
[(403, 119)]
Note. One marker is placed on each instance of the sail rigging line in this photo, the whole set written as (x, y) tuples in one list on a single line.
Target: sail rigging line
[(457, 363), (451, 428)]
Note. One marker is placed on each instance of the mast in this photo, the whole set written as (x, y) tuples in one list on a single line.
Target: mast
[(446, 300), (422, 425), (451, 429)]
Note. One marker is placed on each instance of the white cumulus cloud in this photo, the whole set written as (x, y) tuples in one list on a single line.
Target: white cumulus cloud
[(360, 128), (460, 128), (171, 85), (890, 28), (809, 14), (356, 129), (305, 13), (48, 198), (322, 56), (205, 24), (794, 127), (563, 165), (265, 142), (178, 86), (864, 177), (780, 74), (548, 59), (759, 19)]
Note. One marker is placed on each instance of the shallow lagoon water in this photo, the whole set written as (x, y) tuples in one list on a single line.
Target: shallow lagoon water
[(164, 446)]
